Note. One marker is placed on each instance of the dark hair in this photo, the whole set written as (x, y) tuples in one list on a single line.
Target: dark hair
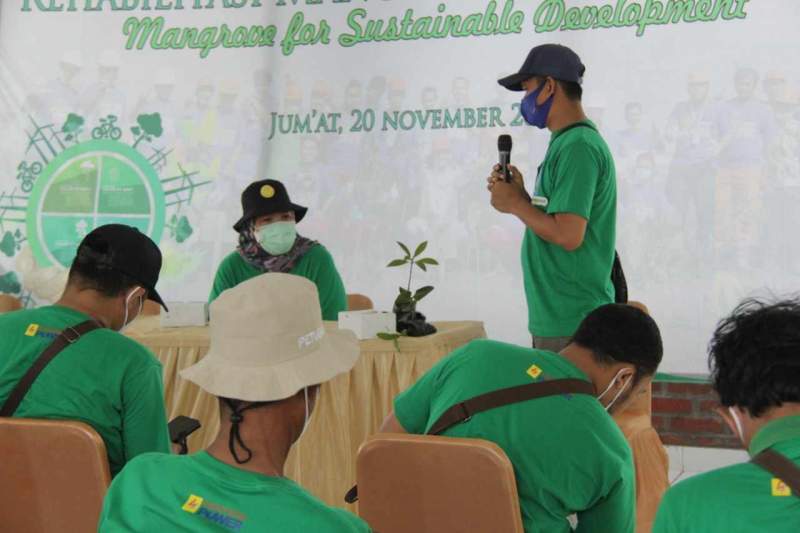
[(92, 270), (619, 333), (754, 355), (573, 90)]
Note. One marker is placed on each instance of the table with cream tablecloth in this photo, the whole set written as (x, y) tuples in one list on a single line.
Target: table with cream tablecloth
[(352, 406)]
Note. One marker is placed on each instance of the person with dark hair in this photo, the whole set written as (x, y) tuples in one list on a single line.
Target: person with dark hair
[(568, 250), (265, 365), (268, 242), (754, 358), (569, 455), (101, 377)]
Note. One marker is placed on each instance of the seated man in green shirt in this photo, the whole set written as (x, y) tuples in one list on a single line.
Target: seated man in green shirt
[(269, 354), (755, 369), (569, 455), (268, 242), (104, 379)]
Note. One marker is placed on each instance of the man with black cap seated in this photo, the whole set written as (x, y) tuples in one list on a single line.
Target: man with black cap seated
[(268, 242), (265, 365), (569, 455), (100, 377), (568, 250)]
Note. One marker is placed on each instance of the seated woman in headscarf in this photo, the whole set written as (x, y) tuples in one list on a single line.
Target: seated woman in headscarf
[(268, 242)]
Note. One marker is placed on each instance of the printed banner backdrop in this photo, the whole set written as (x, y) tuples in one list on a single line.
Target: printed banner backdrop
[(382, 116)]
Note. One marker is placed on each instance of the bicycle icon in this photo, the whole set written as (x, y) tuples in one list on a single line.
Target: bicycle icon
[(107, 129), (26, 174)]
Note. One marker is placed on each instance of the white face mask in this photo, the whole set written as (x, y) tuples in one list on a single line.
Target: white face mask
[(611, 384), (125, 321), (738, 423)]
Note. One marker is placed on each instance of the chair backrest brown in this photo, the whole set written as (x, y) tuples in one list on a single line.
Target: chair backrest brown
[(359, 302), (429, 484), (9, 303), (54, 475)]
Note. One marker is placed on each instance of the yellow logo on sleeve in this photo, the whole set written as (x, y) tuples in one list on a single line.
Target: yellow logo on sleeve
[(779, 488), (534, 372), (193, 504), (32, 330)]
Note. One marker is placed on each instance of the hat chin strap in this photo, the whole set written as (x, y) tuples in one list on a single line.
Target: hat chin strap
[(234, 437)]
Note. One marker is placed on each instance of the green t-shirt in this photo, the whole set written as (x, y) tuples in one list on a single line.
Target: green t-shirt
[(106, 380), (577, 176), (569, 456), (740, 498), (316, 265), (159, 492)]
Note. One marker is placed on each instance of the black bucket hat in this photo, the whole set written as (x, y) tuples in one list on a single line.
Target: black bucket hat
[(126, 250), (554, 60), (266, 197)]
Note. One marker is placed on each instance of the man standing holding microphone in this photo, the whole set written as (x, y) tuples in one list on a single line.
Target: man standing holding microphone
[(568, 249)]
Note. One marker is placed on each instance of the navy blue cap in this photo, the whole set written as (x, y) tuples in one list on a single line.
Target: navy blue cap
[(554, 60), (126, 250)]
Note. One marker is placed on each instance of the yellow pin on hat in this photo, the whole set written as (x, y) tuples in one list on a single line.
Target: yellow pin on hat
[(267, 191)]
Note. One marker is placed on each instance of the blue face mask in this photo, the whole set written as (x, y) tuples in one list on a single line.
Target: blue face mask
[(536, 115)]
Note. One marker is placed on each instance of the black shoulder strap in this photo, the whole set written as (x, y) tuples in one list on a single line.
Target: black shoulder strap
[(618, 280), (781, 467), (67, 337), (463, 411)]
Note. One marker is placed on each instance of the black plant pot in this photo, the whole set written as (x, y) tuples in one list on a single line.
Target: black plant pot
[(412, 323)]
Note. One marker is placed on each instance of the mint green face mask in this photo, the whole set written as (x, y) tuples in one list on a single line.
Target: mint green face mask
[(277, 238)]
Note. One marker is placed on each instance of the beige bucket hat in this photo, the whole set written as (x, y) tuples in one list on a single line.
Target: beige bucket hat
[(268, 341)]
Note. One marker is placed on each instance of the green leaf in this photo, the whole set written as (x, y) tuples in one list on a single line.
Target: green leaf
[(420, 248), (422, 266), (397, 263), (403, 290), (9, 244), (403, 299), (150, 124), (422, 292), (428, 261), (183, 229), (388, 336), (9, 283), (405, 249), (72, 124)]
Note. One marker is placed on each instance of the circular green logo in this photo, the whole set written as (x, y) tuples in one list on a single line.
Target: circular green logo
[(89, 185)]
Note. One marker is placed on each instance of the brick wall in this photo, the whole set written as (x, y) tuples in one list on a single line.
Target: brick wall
[(683, 415)]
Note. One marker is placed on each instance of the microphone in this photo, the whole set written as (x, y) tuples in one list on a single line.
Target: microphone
[(504, 150)]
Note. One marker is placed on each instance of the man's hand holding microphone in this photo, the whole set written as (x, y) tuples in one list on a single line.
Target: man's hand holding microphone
[(505, 183)]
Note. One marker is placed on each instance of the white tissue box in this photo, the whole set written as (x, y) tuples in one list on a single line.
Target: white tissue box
[(367, 324), (183, 314)]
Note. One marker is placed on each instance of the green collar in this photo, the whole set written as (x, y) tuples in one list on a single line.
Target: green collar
[(237, 475), (557, 134), (779, 430)]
